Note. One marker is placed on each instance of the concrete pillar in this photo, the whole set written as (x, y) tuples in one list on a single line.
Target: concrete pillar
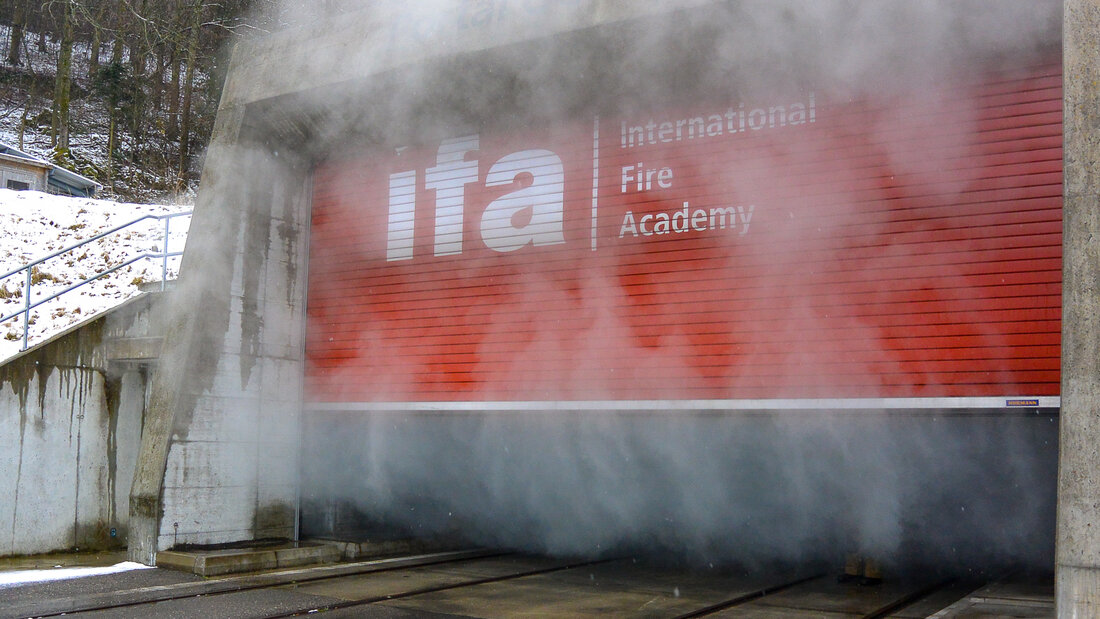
[(219, 449), (1078, 539)]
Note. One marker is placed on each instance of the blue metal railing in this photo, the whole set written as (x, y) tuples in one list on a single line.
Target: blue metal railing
[(163, 254)]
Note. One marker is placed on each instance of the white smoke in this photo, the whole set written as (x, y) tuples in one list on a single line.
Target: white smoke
[(925, 489)]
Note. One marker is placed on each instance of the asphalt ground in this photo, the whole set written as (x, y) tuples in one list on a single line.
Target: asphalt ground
[(482, 584)]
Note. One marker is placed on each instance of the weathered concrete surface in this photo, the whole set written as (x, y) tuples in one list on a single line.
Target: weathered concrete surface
[(395, 33), (235, 561), (219, 453), (1078, 542), (70, 424)]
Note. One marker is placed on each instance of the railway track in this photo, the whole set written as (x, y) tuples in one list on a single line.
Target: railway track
[(491, 584)]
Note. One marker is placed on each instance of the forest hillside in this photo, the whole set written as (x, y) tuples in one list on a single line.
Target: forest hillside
[(122, 91)]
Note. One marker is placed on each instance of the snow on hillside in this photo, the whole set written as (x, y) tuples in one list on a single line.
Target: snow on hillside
[(34, 224), (27, 113)]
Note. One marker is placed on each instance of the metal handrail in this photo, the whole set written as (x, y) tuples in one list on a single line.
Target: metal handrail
[(164, 255)]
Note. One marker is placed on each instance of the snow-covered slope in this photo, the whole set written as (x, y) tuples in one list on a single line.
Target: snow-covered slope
[(33, 225)]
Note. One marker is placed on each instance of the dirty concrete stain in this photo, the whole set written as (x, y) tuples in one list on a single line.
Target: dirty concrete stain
[(94, 534), (275, 515), (43, 377), (19, 460), (112, 396), (67, 372), (79, 435), (288, 233), (256, 249)]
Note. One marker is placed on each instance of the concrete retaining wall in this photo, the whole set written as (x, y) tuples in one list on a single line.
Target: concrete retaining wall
[(70, 424)]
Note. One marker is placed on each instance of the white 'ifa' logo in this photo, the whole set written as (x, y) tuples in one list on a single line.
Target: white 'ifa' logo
[(544, 200)]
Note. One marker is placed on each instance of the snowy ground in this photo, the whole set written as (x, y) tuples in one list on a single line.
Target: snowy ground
[(23, 577), (33, 225)]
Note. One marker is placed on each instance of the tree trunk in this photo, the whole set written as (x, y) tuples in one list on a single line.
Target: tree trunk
[(112, 136), (63, 82), (112, 144), (137, 71), (139, 56), (156, 83), (160, 128), (93, 55), (174, 97), (188, 90), (18, 20), (23, 121), (116, 50), (97, 42)]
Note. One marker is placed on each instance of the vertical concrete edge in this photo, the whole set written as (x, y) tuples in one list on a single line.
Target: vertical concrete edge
[(1078, 519), (182, 348)]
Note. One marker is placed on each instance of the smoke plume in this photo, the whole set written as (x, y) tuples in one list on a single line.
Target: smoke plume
[(936, 489)]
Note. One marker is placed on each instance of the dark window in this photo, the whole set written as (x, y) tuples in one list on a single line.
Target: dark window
[(18, 185)]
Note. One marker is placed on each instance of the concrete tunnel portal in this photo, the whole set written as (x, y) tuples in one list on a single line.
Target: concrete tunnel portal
[(549, 303)]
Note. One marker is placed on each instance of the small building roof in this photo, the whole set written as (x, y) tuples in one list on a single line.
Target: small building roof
[(10, 154), (61, 179)]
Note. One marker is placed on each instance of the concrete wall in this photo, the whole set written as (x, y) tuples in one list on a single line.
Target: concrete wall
[(219, 454), (231, 468), (70, 424), (395, 34), (11, 168), (1078, 540)]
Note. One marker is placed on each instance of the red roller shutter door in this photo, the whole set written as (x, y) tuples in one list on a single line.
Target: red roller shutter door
[(808, 247)]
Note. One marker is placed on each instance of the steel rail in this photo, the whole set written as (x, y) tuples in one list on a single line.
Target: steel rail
[(436, 588), (909, 599), (92, 240), (747, 597), (237, 584), (28, 284), (145, 256)]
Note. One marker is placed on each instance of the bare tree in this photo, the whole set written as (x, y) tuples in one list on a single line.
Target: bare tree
[(99, 28), (63, 81), (161, 106), (188, 91), (18, 22)]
